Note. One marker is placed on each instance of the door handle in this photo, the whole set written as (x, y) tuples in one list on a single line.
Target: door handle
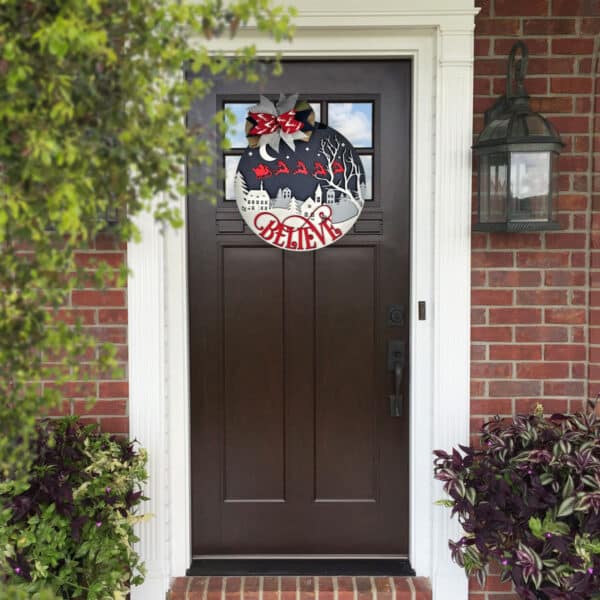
[(395, 363), (396, 399)]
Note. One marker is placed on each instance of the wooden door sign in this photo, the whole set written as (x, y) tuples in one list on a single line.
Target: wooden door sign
[(300, 185)]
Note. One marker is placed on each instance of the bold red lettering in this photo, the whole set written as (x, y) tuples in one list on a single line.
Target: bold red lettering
[(294, 239), (281, 230), (316, 233), (328, 226), (268, 231), (308, 236)]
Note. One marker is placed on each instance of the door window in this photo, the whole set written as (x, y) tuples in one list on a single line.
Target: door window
[(354, 119)]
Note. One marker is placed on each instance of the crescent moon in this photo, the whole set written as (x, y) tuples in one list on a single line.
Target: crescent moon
[(264, 154)]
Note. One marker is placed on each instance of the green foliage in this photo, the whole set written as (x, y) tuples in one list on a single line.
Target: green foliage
[(70, 527), (92, 107), (546, 528), (13, 592)]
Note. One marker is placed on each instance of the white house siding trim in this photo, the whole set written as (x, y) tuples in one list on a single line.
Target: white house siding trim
[(440, 43), (148, 408), (452, 264)]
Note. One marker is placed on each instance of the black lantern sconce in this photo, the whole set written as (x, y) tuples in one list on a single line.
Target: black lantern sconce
[(518, 153)]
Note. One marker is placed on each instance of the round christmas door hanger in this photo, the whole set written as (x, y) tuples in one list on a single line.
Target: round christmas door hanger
[(300, 185)]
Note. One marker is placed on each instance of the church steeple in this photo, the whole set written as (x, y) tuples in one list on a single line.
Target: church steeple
[(318, 194)]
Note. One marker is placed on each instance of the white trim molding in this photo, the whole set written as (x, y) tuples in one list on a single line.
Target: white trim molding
[(452, 266), (439, 41), (147, 403)]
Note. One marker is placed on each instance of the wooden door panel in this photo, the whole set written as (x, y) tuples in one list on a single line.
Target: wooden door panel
[(294, 450), (253, 363), (345, 313)]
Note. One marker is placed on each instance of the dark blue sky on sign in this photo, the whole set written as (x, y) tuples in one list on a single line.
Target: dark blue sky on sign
[(309, 153)]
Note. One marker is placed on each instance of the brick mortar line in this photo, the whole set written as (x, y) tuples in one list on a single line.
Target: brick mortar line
[(336, 589), (187, 589), (355, 591)]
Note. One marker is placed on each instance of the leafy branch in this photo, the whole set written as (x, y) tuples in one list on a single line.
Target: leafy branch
[(92, 126)]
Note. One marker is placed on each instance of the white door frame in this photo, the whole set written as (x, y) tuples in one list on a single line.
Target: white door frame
[(439, 41)]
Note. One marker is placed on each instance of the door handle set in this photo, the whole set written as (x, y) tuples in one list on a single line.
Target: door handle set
[(396, 358)]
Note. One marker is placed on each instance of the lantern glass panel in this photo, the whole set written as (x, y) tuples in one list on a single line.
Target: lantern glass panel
[(536, 125), (530, 186), (493, 170), (498, 129)]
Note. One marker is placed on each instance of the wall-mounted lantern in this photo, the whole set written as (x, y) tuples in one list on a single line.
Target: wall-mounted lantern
[(518, 160)]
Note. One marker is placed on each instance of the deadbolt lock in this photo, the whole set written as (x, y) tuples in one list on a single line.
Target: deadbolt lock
[(395, 316)]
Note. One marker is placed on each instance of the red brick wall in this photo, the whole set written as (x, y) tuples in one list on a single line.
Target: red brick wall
[(535, 328), (104, 314)]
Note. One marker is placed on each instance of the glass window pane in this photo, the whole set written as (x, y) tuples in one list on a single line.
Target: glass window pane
[(237, 134), (316, 106), (530, 185), (367, 162), (354, 120), (493, 203), (231, 165), (493, 184)]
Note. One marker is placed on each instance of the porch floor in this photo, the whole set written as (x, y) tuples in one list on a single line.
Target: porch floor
[(300, 588)]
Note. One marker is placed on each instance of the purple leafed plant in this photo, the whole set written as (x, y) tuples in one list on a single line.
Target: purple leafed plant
[(529, 499)]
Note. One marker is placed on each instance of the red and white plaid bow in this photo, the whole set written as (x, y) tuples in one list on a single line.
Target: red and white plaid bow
[(267, 123)]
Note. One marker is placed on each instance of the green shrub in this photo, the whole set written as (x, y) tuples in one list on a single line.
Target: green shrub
[(70, 527), (15, 592)]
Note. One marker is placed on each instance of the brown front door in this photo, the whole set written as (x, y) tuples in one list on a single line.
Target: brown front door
[(294, 447)]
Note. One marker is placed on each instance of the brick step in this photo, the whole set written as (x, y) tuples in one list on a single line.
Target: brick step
[(300, 588)]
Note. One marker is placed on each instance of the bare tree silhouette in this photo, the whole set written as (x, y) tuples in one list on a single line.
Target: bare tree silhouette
[(334, 150)]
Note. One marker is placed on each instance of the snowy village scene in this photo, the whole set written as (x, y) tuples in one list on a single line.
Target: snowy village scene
[(301, 204), (302, 194)]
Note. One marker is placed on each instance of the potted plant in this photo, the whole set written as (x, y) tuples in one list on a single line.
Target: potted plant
[(529, 499)]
